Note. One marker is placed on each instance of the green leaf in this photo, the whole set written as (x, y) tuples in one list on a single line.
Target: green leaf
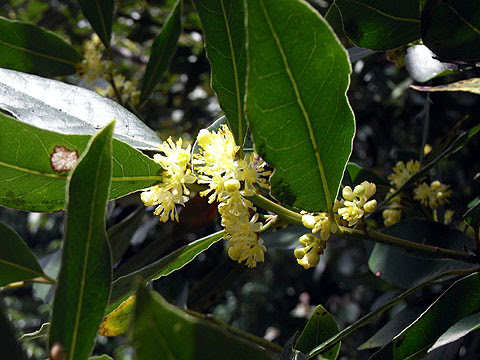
[(17, 261), (100, 357), (223, 26), (392, 328), (458, 330), (451, 29), (472, 215), (162, 331), (469, 85), (11, 349), (48, 104), (378, 24), (458, 301), (319, 328), (408, 269), (29, 48), (359, 175), (100, 15), (120, 234), (163, 49), (41, 187), (300, 119), (123, 287), (86, 274)]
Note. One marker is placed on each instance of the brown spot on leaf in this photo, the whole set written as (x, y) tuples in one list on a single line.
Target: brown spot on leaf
[(57, 352), (63, 159)]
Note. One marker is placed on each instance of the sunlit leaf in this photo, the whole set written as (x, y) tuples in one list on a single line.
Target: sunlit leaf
[(29, 48), (86, 274), (469, 85), (379, 24), (163, 49), (162, 331), (100, 15), (300, 119), (458, 330), (117, 322), (319, 328), (67, 109), (17, 261), (28, 180), (224, 31), (451, 28)]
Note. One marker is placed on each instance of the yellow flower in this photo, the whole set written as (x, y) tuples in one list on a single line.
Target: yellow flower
[(309, 255), (434, 195), (356, 202), (172, 190), (391, 216), (402, 172)]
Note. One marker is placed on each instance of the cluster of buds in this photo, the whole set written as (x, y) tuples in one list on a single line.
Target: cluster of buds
[(356, 202), (350, 209), (94, 66), (432, 195), (230, 179)]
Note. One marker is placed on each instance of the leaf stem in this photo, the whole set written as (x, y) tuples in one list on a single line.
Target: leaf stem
[(375, 236), (370, 316)]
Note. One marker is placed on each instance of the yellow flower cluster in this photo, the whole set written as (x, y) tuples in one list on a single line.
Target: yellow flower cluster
[(95, 66), (401, 172), (172, 190), (432, 195), (229, 181), (351, 208), (309, 255), (356, 202)]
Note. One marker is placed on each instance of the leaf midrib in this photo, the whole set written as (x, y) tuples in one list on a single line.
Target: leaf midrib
[(64, 177), (235, 76), (380, 12), (303, 109), (468, 23), (21, 267), (21, 48)]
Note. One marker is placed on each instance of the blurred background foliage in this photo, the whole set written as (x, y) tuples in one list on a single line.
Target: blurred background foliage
[(275, 299)]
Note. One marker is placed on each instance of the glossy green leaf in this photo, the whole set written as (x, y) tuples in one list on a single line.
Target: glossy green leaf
[(379, 24), (100, 15), (409, 269), (469, 85), (124, 286), (223, 26), (100, 357), (11, 349), (163, 331), (458, 330), (451, 29), (29, 48), (392, 328), (17, 261), (359, 175), (163, 49), (67, 109), (300, 119), (458, 301), (28, 179), (319, 328), (86, 274)]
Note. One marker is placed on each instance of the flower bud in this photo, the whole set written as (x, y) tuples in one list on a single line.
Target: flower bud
[(359, 190), (299, 253), (232, 185), (307, 239), (370, 206), (347, 193), (308, 221)]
